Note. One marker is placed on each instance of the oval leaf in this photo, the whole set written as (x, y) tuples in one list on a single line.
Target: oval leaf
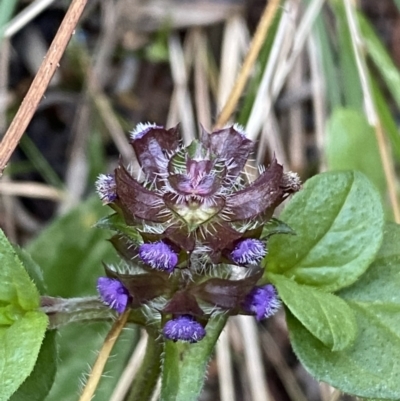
[(370, 367), (338, 220), (15, 285), (19, 348), (39, 382), (325, 315)]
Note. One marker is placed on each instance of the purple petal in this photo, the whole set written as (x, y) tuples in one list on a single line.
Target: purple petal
[(260, 195), (152, 145), (137, 201), (184, 328), (106, 188), (262, 302), (249, 251), (231, 145), (113, 293), (159, 256)]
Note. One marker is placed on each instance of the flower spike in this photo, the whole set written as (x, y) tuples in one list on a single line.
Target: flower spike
[(113, 293), (184, 328)]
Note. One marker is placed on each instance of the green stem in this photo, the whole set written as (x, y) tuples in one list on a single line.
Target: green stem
[(61, 311), (146, 379), (185, 365)]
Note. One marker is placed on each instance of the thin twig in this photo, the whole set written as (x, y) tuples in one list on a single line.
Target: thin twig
[(251, 57), (102, 358), (40, 82), (370, 108)]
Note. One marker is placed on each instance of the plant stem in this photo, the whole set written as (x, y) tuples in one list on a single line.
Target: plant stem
[(62, 311), (101, 360), (146, 379)]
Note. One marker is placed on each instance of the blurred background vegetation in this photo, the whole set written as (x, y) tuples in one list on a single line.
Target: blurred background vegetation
[(324, 94)]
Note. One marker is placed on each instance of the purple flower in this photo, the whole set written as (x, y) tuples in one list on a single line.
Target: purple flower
[(113, 293), (159, 256), (262, 302), (249, 251), (106, 188), (184, 328)]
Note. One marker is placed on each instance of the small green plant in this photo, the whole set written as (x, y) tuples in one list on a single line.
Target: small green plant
[(198, 243)]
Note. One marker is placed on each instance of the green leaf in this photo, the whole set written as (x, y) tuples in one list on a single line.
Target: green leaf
[(338, 220), (351, 145), (16, 287), (32, 268), (185, 364), (39, 382), (19, 349), (71, 251), (275, 226), (325, 315), (115, 222), (370, 368)]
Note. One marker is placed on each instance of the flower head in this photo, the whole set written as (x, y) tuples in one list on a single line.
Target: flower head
[(184, 328), (113, 293), (262, 302), (159, 256), (249, 251), (106, 188)]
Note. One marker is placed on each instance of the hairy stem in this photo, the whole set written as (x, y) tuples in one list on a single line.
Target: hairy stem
[(104, 353), (61, 311), (146, 379)]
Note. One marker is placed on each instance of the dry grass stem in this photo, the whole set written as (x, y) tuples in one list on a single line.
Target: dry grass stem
[(296, 126), (318, 99), (125, 381), (253, 358), (224, 363), (117, 133), (201, 91), (370, 108), (102, 358), (40, 82), (26, 16), (179, 70), (248, 64), (284, 371), (30, 190), (280, 50), (230, 58)]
